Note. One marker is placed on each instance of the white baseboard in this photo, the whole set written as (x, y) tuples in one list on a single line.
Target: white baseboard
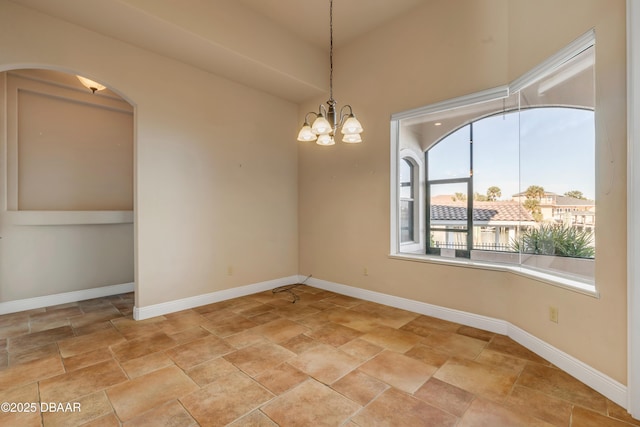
[(64, 298), (469, 319), (595, 379), (140, 313)]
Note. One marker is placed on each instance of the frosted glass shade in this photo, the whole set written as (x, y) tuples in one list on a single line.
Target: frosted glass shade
[(306, 134), (352, 138), (352, 125), (321, 126), (325, 139)]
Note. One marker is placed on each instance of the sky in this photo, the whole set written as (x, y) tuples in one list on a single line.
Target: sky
[(550, 147)]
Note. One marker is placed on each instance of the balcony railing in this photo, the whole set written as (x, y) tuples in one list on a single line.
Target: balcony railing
[(501, 247)]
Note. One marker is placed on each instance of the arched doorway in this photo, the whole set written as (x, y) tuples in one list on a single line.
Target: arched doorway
[(66, 218)]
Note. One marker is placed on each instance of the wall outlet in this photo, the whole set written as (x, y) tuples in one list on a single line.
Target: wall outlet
[(553, 314), (365, 271), (230, 270)]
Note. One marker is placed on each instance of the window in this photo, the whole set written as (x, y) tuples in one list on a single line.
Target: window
[(407, 191), (509, 174), (411, 202)]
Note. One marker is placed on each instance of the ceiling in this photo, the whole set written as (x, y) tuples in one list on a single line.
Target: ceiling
[(278, 46), (309, 19)]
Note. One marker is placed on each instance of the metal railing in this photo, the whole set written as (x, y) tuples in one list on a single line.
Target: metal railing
[(501, 247)]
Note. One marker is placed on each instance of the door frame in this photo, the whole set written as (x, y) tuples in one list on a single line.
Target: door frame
[(633, 207)]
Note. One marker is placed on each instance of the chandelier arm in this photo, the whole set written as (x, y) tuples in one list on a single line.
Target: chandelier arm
[(344, 115), (306, 120)]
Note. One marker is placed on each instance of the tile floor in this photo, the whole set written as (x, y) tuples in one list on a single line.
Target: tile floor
[(259, 360)]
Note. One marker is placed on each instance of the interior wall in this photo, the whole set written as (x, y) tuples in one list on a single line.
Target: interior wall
[(440, 51), (40, 260), (215, 190), (73, 153), (593, 330), (68, 149)]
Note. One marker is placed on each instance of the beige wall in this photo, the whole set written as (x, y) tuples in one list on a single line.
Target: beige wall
[(39, 260), (443, 50), (215, 163), (68, 148)]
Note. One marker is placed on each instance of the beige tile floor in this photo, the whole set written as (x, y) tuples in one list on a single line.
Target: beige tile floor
[(260, 360)]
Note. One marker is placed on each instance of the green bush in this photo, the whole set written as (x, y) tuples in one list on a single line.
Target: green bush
[(556, 240)]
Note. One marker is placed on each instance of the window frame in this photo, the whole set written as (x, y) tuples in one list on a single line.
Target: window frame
[(417, 244), (494, 94), (410, 199), (468, 180)]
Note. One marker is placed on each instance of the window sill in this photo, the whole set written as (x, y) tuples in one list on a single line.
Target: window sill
[(579, 286)]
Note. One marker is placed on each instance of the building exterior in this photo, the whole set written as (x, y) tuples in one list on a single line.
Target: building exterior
[(495, 224), (566, 210)]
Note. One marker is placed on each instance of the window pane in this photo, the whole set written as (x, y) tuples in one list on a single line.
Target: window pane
[(448, 204), (558, 152), (448, 238), (496, 157), (448, 215), (497, 217), (406, 221), (557, 164), (406, 179), (450, 158)]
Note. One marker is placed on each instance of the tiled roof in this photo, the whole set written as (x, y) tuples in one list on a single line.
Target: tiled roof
[(572, 201), (482, 211), (546, 194), (561, 200)]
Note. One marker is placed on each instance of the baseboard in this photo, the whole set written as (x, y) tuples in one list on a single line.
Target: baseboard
[(595, 379), (63, 298), (140, 313)]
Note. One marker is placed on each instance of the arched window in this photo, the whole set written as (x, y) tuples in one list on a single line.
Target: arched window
[(519, 181), (407, 201), (508, 174)]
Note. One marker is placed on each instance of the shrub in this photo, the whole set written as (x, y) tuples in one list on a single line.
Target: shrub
[(556, 240)]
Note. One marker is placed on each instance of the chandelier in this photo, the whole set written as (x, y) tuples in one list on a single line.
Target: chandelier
[(329, 119)]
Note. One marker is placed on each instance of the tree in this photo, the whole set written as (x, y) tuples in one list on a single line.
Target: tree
[(459, 196), (533, 206), (534, 192), (479, 197), (493, 193), (576, 194)]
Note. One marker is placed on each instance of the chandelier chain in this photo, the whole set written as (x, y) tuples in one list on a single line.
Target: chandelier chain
[(331, 51)]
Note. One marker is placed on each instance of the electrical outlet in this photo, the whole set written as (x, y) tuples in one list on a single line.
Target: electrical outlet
[(365, 271), (230, 271), (553, 314)]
